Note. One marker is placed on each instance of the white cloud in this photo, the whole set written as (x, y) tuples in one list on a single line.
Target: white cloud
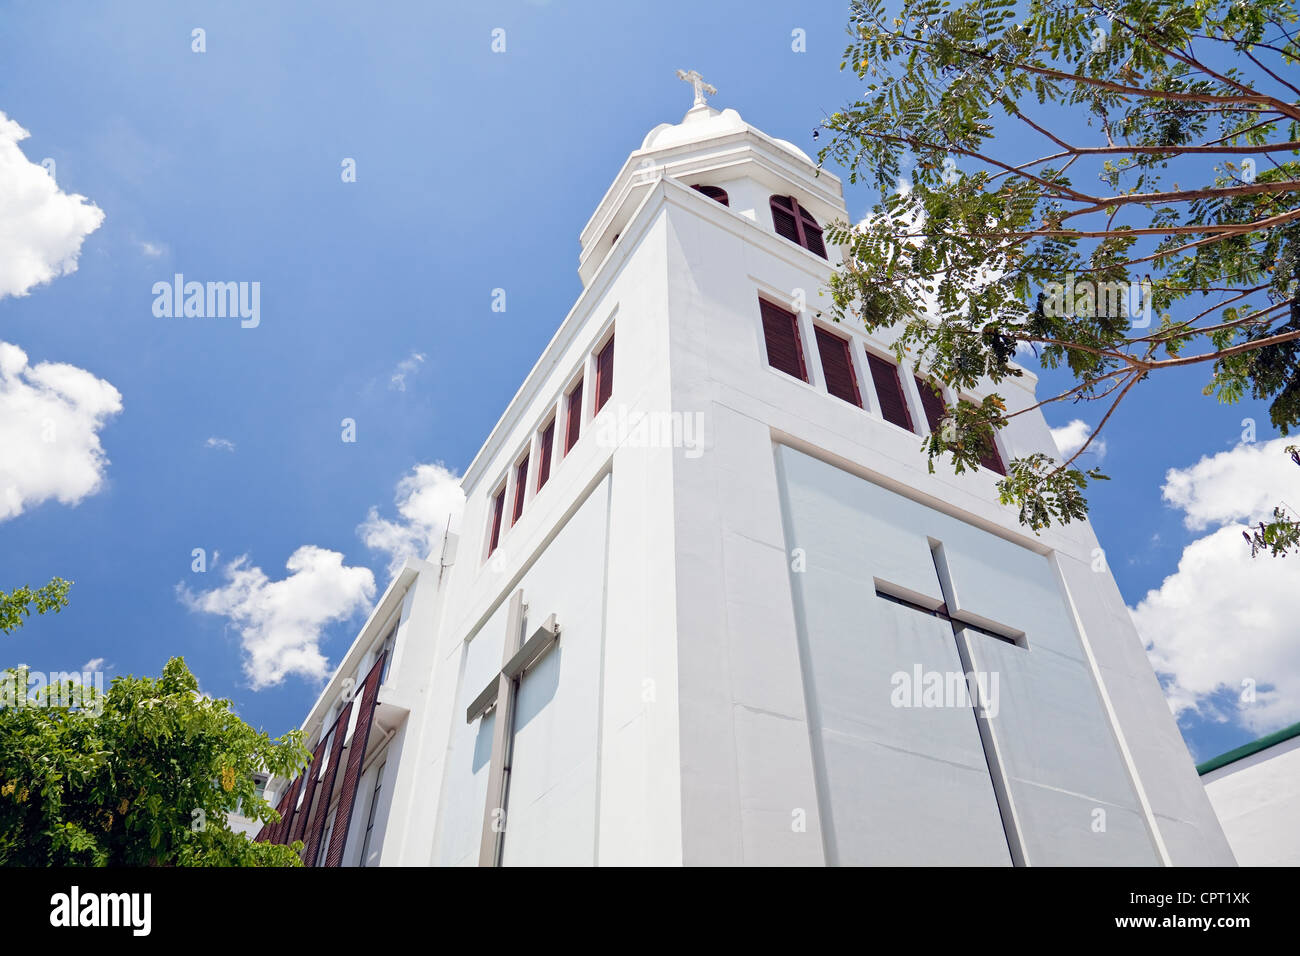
[(1243, 484), (94, 664), (152, 250), (281, 622), (41, 226), (50, 417), (1223, 617), (428, 499), (225, 444), (1070, 438), (405, 367)]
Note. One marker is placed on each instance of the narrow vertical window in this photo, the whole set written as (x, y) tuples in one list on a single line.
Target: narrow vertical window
[(370, 819), (990, 458), (931, 403), (604, 374), (521, 489), (544, 454), (837, 365), (889, 391), (781, 335), (573, 418), (498, 508)]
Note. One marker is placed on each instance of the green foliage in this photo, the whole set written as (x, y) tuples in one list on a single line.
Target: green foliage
[(1161, 180), (1280, 536), (142, 775), (17, 605)]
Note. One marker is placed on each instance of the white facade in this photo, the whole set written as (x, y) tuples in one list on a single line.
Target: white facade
[(725, 578), (1257, 798)]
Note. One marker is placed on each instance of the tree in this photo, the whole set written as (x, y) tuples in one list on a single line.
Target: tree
[(143, 775), (1157, 227), (17, 605)]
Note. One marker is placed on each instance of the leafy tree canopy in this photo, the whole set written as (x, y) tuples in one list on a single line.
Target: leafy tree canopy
[(1114, 186), (142, 775)]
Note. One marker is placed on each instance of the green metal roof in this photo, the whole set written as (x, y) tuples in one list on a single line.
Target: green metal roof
[(1245, 750)]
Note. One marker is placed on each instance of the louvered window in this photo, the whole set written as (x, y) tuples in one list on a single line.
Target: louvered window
[(573, 418), (797, 224), (498, 507), (781, 334), (521, 489), (837, 366), (932, 404), (544, 452), (604, 374), (889, 391)]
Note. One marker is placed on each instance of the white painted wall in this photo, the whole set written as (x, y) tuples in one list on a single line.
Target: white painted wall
[(1257, 799), (681, 720)]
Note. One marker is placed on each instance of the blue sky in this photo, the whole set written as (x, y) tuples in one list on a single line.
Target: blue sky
[(474, 171)]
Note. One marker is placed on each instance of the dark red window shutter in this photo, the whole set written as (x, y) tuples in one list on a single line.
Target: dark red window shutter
[(317, 829), (717, 194), (991, 459), (931, 403), (356, 760), (521, 489), (312, 773), (812, 233), (498, 507), (797, 224), (786, 218), (544, 454), (270, 832), (573, 418), (889, 390), (781, 334), (604, 374), (837, 365)]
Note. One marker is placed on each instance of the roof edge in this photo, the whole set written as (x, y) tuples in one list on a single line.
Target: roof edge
[(1246, 750)]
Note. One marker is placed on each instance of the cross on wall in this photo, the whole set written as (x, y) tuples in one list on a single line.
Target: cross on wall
[(500, 695), (961, 622)]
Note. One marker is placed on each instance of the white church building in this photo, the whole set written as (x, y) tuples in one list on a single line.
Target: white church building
[(707, 606)]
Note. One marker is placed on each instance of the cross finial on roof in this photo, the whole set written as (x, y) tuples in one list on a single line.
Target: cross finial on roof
[(697, 81)]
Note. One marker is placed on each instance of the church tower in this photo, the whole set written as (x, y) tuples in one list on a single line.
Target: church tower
[(707, 605)]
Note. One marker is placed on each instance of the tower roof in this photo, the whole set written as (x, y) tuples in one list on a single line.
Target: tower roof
[(703, 123)]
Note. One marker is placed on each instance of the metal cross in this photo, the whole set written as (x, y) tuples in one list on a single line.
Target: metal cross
[(698, 83), (500, 695)]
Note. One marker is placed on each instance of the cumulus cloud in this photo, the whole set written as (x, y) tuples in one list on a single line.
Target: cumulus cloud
[(1070, 438), (281, 623), (428, 500), (94, 664), (41, 226), (1243, 484), (1223, 623), (225, 444), (50, 417), (405, 367)]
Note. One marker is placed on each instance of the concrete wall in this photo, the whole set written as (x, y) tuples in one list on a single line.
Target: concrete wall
[(1257, 799)]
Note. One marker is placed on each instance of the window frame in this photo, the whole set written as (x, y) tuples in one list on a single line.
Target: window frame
[(796, 325), (846, 343), (799, 213)]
